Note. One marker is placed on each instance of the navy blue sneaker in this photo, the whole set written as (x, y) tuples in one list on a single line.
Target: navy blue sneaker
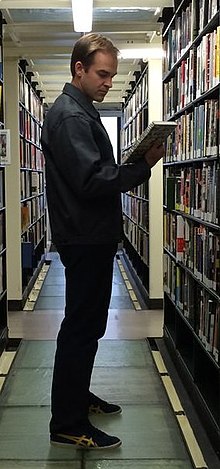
[(98, 406), (90, 438)]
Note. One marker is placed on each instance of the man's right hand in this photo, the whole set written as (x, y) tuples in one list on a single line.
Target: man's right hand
[(154, 154)]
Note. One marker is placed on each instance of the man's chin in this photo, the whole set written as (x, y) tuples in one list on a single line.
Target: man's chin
[(99, 99)]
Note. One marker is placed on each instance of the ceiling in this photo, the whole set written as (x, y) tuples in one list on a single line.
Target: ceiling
[(45, 38)]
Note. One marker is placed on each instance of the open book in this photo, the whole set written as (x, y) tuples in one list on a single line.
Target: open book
[(157, 131)]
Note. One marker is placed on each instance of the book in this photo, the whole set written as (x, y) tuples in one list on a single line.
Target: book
[(1, 231), (157, 131)]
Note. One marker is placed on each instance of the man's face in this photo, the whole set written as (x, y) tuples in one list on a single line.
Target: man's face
[(96, 81)]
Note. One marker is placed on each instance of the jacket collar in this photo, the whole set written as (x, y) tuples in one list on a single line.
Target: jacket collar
[(81, 99)]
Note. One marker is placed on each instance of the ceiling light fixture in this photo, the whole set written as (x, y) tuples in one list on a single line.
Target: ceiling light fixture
[(157, 11), (150, 53), (82, 15)]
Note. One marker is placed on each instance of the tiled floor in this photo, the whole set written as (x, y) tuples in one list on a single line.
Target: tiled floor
[(124, 372)]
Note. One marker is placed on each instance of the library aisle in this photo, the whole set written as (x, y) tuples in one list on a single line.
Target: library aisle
[(124, 373)]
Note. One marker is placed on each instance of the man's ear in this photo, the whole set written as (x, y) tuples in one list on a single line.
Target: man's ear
[(79, 68)]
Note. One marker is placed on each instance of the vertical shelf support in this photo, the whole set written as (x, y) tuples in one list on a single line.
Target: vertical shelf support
[(13, 223), (155, 187)]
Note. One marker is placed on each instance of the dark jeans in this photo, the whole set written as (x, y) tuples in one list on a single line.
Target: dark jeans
[(88, 271)]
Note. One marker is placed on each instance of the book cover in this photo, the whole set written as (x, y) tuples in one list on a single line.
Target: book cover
[(157, 131)]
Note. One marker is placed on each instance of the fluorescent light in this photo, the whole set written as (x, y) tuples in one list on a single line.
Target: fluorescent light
[(157, 11), (82, 15), (145, 53)]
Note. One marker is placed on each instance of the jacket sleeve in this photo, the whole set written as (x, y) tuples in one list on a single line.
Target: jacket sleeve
[(78, 159)]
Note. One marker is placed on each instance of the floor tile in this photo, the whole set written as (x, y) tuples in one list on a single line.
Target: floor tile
[(120, 302), (123, 353), (35, 354), (138, 464), (31, 387), (41, 465), (118, 290), (24, 436), (146, 431), (118, 279), (130, 324), (54, 280), (35, 325), (50, 302), (53, 290), (59, 290), (127, 385), (58, 302), (27, 387)]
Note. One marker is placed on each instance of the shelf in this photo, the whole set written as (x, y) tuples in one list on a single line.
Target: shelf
[(191, 306), (193, 161), (189, 272), (192, 332), (25, 184), (3, 338), (195, 220), (214, 22), (3, 218), (143, 245), (195, 394), (208, 94)]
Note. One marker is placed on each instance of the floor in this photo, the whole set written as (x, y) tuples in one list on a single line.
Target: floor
[(124, 373)]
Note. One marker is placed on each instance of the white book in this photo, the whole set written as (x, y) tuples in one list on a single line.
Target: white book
[(157, 131)]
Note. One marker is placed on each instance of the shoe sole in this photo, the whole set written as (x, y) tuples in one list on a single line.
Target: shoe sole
[(87, 448), (117, 412)]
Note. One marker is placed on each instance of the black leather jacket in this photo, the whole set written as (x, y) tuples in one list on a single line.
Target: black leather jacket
[(83, 182)]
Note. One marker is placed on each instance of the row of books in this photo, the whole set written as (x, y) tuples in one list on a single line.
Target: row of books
[(137, 210), (194, 191), (179, 37), (208, 62), (207, 10), (196, 247), (138, 238), (32, 183), (136, 101), (31, 211), (200, 308), (31, 156), (200, 72), (197, 74), (29, 99), (188, 24), (135, 128), (35, 234), (141, 191), (196, 134), (29, 127)]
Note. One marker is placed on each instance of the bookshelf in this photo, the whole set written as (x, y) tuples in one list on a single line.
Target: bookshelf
[(191, 172), (25, 184), (143, 206), (3, 282)]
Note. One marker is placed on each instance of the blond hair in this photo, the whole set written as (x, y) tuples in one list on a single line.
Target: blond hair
[(86, 47)]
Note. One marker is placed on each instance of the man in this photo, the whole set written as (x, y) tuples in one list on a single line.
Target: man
[(84, 188)]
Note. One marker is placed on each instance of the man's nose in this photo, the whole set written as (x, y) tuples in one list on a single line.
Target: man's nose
[(108, 82)]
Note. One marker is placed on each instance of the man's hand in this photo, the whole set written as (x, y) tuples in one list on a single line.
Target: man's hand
[(154, 154)]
